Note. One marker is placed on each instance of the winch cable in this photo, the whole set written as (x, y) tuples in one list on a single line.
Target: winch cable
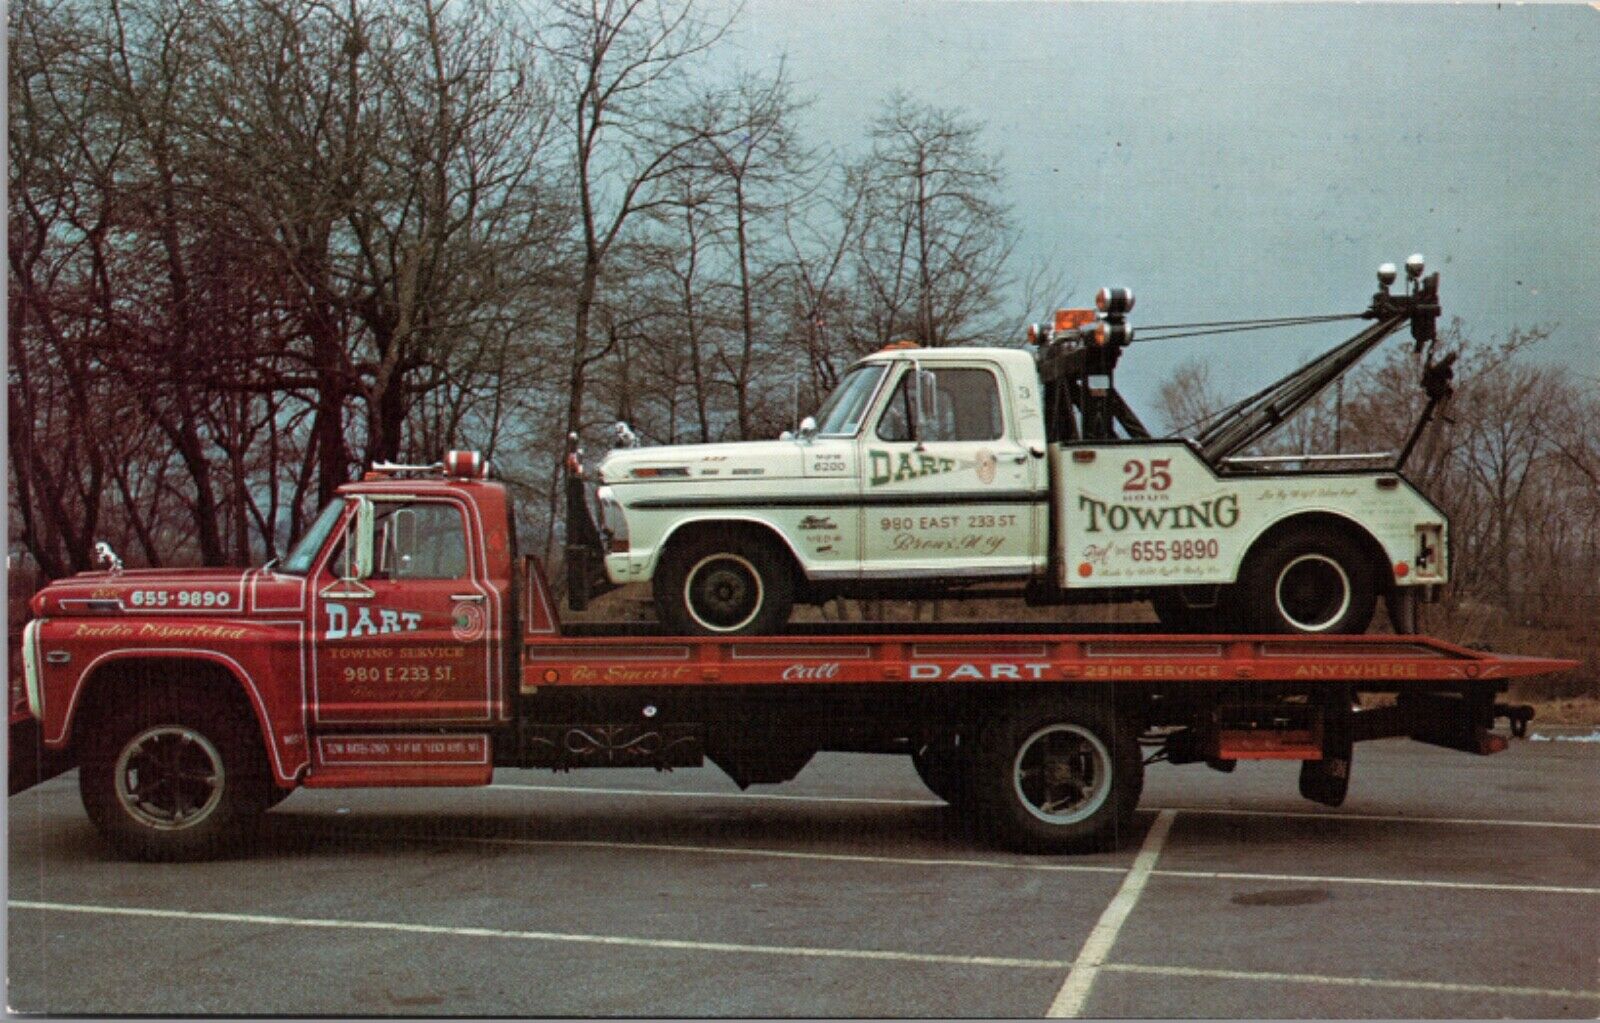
[(1178, 330), (1234, 407)]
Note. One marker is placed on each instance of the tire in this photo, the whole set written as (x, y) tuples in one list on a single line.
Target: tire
[(205, 781), (1058, 776), (1315, 582), (947, 773), (735, 584)]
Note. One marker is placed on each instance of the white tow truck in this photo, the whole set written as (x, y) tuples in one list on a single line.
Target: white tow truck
[(969, 471)]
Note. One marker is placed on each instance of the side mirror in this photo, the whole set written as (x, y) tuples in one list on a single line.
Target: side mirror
[(924, 403), (400, 539), (359, 561), (808, 428), (928, 391)]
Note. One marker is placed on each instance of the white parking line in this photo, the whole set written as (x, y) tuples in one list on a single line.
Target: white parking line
[(801, 951), (1369, 982), (891, 801), (984, 864), (1388, 818), (1395, 882), (780, 797), (813, 952), (1075, 991), (735, 850)]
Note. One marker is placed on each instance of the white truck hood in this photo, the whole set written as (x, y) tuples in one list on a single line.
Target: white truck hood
[(763, 459)]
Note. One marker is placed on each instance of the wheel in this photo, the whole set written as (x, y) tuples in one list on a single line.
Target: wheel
[(163, 780), (1309, 581), (1058, 777), (947, 773), (734, 584)]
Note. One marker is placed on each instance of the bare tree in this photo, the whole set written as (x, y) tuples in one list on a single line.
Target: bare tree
[(617, 63), (1188, 400), (932, 256)]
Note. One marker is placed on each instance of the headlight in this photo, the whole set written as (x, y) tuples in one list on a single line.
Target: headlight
[(30, 669), (613, 523)]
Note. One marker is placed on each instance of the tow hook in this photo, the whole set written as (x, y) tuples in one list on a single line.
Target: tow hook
[(1518, 714)]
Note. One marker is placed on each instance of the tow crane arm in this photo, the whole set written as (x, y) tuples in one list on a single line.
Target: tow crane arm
[(1078, 355), (1262, 412)]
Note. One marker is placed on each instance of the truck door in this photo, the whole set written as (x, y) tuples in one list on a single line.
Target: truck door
[(414, 641), (947, 487)]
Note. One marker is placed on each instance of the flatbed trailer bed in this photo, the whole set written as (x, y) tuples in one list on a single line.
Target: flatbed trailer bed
[(760, 706), (868, 653)]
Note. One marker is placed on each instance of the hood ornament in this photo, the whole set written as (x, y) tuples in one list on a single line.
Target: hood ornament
[(107, 558)]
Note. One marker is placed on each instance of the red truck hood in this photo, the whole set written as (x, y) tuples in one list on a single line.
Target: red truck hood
[(161, 591)]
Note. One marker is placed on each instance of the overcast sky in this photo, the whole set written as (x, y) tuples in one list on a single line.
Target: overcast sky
[(1251, 160)]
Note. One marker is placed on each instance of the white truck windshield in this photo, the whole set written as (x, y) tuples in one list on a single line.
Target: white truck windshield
[(841, 414)]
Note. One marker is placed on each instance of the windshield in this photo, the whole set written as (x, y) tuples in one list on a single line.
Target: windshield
[(841, 414), (299, 560)]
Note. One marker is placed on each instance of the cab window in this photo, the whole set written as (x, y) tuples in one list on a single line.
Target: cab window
[(420, 540), (958, 404)]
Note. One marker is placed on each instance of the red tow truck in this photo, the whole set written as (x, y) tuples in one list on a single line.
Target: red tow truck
[(404, 642)]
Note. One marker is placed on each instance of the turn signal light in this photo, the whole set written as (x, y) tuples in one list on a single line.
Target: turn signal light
[(1072, 319)]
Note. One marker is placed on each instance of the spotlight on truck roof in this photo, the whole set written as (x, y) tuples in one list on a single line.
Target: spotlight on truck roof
[(1387, 274), (1414, 266), (1113, 332), (1114, 301)]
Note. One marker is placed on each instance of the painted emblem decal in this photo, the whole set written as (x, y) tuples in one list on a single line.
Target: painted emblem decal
[(987, 464), (469, 622)]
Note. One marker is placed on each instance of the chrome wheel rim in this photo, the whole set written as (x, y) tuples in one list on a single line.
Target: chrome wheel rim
[(723, 592), (1062, 774), (169, 777), (1313, 592)]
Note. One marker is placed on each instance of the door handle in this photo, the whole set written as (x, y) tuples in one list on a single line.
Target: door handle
[(1020, 459), (346, 589), (473, 598)]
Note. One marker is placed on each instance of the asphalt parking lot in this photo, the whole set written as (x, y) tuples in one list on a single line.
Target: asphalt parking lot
[(1448, 885)]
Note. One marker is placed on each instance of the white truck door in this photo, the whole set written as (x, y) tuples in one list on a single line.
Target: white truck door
[(958, 499), (829, 532)]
